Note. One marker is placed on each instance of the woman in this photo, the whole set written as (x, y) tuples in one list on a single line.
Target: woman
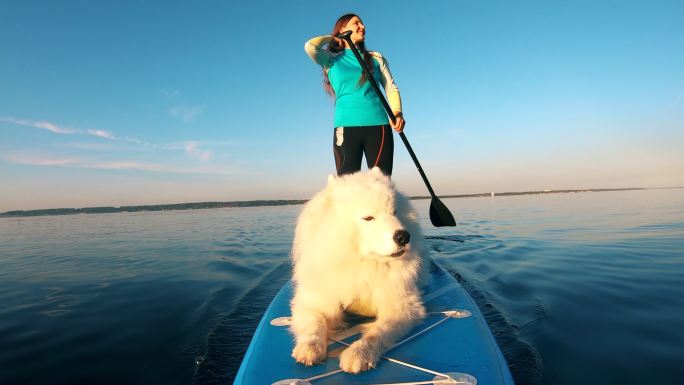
[(361, 123)]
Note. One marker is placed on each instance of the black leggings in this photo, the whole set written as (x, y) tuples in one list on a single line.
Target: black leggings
[(350, 143)]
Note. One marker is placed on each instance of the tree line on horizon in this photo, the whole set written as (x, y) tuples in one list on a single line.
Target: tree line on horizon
[(254, 203)]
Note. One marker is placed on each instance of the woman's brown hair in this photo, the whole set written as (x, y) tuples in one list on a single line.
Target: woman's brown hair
[(335, 47)]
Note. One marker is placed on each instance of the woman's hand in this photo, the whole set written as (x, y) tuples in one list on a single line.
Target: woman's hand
[(399, 122), (338, 43)]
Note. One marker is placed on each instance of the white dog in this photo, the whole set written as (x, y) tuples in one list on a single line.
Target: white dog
[(356, 248)]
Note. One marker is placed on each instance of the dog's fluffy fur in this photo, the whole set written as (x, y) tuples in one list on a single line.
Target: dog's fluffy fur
[(346, 258)]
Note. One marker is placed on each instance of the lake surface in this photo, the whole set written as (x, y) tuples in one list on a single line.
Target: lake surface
[(583, 288)]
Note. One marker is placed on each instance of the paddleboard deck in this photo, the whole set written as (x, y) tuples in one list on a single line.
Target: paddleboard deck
[(453, 340)]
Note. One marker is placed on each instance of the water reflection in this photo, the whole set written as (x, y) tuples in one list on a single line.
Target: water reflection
[(566, 281)]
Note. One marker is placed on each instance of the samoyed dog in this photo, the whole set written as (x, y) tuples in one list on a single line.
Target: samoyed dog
[(357, 248)]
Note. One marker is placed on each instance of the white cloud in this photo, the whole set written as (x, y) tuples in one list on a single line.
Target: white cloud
[(170, 94), (102, 134), (186, 113), (676, 102), (39, 124), (47, 160), (40, 160), (137, 141), (192, 149), (72, 131), (125, 165)]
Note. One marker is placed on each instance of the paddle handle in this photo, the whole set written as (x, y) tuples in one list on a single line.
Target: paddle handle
[(369, 76)]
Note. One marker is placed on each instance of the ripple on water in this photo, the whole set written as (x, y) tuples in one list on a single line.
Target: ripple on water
[(523, 360), (577, 288)]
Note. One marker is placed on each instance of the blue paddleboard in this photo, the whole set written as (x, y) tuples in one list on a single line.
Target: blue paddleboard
[(453, 345)]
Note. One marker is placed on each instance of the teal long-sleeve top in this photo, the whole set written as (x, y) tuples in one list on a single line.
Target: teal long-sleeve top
[(355, 105)]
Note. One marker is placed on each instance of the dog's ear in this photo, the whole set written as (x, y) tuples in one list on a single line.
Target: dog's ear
[(377, 174), (329, 190)]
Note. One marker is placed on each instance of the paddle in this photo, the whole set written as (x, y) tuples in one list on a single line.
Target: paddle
[(439, 213)]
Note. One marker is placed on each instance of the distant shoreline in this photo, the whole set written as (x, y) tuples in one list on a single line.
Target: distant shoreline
[(260, 203)]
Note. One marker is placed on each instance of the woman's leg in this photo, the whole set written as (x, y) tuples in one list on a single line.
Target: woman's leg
[(348, 149), (379, 148)]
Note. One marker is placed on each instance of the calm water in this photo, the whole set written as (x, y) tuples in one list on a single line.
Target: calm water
[(578, 288)]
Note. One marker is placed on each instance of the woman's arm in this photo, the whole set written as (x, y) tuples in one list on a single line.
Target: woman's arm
[(314, 48), (391, 90)]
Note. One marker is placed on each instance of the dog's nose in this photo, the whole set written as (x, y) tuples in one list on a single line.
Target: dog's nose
[(401, 237)]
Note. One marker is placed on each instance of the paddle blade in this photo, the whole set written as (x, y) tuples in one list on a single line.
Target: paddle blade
[(440, 215)]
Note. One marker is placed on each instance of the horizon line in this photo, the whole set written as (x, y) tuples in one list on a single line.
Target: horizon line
[(277, 202)]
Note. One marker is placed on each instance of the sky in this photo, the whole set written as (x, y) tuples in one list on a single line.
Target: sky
[(110, 103)]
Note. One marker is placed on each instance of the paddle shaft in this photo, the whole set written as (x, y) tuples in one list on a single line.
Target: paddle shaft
[(390, 113)]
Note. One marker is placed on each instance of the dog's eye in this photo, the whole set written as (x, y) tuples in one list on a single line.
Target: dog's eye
[(368, 218)]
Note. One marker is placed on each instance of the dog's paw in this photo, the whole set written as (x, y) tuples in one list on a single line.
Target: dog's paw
[(310, 352), (359, 356)]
